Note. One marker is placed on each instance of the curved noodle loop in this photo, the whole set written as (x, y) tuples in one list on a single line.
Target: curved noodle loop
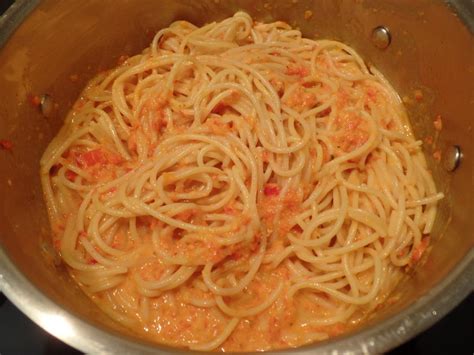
[(238, 187)]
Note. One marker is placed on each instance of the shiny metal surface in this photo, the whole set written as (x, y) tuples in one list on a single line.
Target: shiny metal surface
[(60, 39), (452, 158), (46, 105), (381, 37)]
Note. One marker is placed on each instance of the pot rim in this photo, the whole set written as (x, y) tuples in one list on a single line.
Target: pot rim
[(378, 338)]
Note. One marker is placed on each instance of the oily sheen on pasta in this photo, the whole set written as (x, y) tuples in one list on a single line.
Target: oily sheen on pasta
[(238, 187)]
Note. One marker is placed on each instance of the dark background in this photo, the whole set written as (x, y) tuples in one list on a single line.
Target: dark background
[(452, 335)]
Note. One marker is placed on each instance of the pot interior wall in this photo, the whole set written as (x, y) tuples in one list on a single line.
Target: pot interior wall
[(431, 51)]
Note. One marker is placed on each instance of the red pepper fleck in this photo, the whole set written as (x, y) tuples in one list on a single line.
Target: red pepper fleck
[(229, 210), (300, 71), (91, 158), (418, 95), (70, 175), (236, 255), (271, 190), (220, 108), (35, 100), (297, 229), (324, 112), (97, 156), (265, 156), (438, 123), (6, 144), (420, 249), (372, 94)]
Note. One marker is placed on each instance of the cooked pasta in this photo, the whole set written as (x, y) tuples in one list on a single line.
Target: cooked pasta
[(238, 187)]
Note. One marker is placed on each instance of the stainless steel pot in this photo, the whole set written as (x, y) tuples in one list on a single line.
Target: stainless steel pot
[(431, 50)]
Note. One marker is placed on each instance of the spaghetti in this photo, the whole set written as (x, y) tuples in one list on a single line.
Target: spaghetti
[(238, 187)]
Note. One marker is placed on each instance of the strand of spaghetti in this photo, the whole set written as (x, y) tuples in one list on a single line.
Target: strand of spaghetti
[(68, 244), (218, 340), (340, 216), (249, 311), (244, 282), (341, 296), (57, 148), (340, 317), (154, 288), (372, 140)]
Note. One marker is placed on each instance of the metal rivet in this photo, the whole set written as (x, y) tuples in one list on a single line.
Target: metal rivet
[(46, 105), (381, 37), (452, 158)]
